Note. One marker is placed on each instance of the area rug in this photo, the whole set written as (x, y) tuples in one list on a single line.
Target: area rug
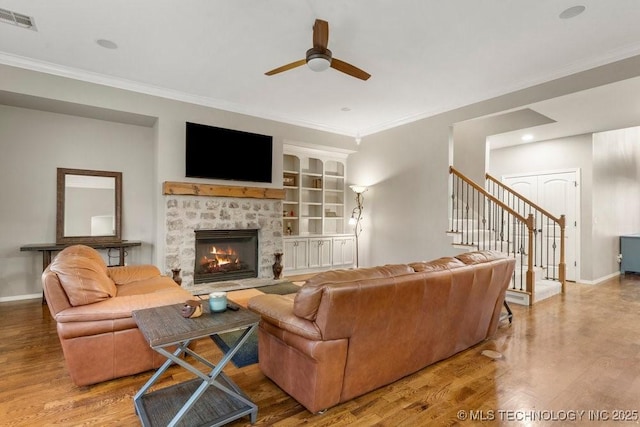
[(248, 353), (207, 288), (279, 289)]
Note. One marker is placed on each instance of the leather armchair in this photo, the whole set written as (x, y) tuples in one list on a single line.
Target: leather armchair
[(92, 304)]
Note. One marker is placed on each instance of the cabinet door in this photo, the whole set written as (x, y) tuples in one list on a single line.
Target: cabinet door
[(343, 251), (348, 251), (296, 254), (289, 258), (319, 253), (302, 254)]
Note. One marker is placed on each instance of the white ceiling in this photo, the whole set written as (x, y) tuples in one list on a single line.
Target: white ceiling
[(425, 56), (608, 107)]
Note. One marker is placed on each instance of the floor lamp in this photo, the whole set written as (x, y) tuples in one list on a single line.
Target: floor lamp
[(356, 216)]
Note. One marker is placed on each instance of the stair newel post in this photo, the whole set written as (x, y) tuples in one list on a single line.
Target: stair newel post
[(562, 267), (530, 273)]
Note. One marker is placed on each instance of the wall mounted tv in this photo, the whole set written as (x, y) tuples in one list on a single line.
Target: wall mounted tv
[(217, 153)]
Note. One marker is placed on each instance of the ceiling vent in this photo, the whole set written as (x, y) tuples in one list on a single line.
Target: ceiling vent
[(18, 19)]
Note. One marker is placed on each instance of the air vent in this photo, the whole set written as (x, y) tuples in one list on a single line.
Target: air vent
[(18, 19)]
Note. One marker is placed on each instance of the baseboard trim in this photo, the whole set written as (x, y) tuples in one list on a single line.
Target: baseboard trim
[(599, 280), (20, 297)]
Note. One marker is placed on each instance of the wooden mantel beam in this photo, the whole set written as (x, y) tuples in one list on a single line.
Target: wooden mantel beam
[(210, 190)]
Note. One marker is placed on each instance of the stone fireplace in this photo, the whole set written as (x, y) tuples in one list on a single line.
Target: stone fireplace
[(187, 214)]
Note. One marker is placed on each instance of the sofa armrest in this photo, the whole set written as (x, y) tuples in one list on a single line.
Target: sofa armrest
[(132, 273), (278, 311)]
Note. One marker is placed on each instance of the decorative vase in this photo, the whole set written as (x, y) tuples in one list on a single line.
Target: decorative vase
[(176, 276), (277, 266)]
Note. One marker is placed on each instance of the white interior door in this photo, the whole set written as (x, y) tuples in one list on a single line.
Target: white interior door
[(556, 192)]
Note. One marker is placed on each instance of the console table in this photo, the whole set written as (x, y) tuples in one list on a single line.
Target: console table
[(48, 248), (210, 399)]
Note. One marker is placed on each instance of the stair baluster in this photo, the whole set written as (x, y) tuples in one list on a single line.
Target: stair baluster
[(496, 218)]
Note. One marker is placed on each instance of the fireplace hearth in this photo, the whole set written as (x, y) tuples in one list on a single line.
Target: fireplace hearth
[(225, 255)]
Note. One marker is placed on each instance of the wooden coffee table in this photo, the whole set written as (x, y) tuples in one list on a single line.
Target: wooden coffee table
[(212, 399)]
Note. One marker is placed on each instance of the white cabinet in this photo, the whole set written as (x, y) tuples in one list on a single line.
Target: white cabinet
[(313, 254), (320, 252), (343, 251), (296, 254)]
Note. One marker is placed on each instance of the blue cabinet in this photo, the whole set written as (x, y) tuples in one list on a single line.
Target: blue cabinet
[(630, 250)]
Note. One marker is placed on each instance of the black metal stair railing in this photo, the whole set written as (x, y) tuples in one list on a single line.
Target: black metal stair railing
[(483, 221), (549, 231)]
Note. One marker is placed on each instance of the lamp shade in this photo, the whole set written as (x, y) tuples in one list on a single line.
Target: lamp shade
[(358, 188)]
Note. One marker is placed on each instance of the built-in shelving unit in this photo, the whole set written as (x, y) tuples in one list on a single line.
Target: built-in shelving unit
[(291, 202), (315, 190), (314, 210), (334, 188)]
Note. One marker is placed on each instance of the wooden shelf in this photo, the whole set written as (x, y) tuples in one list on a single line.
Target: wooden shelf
[(211, 190), (320, 179), (159, 407)]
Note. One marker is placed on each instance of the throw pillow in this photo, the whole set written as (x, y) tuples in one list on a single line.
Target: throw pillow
[(84, 280)]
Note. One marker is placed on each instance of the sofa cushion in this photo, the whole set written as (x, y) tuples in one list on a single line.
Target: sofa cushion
[(444, 263), (132, 273), (308, 297), (150, 286), (478, 257), (121, 307), (86, 252), (84, 279)]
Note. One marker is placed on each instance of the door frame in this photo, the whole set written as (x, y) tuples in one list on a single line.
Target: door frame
[(578, 210)]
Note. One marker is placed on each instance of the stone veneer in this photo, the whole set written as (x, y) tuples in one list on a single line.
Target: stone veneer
[(184, 214)]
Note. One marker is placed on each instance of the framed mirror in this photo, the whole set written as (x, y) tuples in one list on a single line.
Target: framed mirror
[(89, 206)]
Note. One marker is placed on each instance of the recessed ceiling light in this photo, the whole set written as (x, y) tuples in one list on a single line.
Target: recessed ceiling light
[(527, 137), (107, 44), (572, 12), (345, 109)]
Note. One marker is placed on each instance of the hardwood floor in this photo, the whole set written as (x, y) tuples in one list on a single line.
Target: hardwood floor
[(576, 352)]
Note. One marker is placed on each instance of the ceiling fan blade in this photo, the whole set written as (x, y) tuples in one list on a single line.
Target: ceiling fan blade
[(349, 69), (320, 34), (286, 67)]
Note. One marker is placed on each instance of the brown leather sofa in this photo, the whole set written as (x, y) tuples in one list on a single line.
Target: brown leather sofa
[(348, 332), (92, 305)]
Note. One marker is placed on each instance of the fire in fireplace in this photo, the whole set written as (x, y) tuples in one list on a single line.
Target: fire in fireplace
[(225, 255)]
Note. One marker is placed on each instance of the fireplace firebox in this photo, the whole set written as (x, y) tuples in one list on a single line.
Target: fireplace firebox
[(225, 255)]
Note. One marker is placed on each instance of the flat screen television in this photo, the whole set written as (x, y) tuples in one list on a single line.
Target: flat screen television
[(218, 153)]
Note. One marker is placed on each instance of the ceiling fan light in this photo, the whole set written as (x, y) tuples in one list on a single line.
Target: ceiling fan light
[(318, 60), (318, 64)]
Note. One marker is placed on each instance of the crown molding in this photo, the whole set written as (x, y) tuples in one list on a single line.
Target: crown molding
[(134, 86), (624, 52)]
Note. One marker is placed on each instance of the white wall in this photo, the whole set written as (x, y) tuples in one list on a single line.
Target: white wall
[(35, 143), (616, 194), (406, 170)]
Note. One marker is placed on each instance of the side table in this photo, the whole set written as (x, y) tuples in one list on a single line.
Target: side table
[(212, 399)]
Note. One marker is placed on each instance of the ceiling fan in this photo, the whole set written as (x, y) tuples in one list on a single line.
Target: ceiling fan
[(319, 58)]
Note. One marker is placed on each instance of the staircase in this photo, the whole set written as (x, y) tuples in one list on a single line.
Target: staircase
[(496, 218)]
